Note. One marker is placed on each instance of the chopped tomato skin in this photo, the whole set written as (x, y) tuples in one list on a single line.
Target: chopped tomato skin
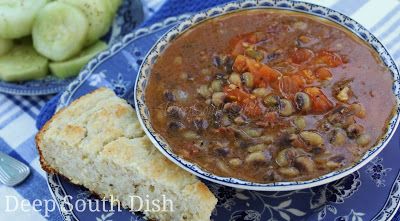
[(240, 64), (329, 58), (252, 108), (320, 103), (290, 85), (236, 94), (299, 80), (271, 117), (274, 85), (301, 55), (308, 76), (238, 48), (250, 104), (323, 74), (263, 74)]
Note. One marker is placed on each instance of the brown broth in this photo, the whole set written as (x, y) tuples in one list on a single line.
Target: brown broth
[(181, 70)]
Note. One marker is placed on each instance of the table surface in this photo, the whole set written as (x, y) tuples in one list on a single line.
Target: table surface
[(18, 113)]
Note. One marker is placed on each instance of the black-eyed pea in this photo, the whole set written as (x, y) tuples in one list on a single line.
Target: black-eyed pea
[(267, 139), (253, 132), (204, 91), (175, 112), (312, 138), (363, 140), (257, 147), (169, 96), (332, 164), (288, 171), (338, 137), (271, 100), (304, 164), (256, 157), (290, 130), (300, 122), (248, 79), (286, 108), (223, 167), (216, 85), (181, 96), (285, 157), (354, 130), (359, 110), (261, 92), (174, 126), (235, 162), (303, 101), (218, 98), (234, 78)]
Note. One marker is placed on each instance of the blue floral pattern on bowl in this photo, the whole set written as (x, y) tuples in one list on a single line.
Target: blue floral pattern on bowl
[(129, 15), (307, 8), (346, 199)]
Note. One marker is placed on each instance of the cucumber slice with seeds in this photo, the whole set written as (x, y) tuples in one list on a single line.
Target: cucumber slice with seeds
[(72, 67), (22, 63), (17, 16), (5, 46), (59, 31), (98, 14)]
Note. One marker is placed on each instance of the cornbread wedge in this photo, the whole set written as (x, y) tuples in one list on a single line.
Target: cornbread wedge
[(97, 142)]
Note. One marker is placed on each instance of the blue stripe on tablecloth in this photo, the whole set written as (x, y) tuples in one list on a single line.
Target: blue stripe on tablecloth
[(390, 29), (32, 189), (348, 7), (395, 40), (11, 118), (34, 103), (388, 16), (397, 57), (25, 107), (18, 101), (9, 108), (27, 149), (4, 147), (2, 99)]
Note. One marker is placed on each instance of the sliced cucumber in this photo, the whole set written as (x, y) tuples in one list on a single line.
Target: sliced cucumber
[(72, 67), (17, 16), (98, 14), (59, 31), (22, 63), (5, 46)]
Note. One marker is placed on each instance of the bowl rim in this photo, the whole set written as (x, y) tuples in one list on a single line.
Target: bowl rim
[(286, 5)]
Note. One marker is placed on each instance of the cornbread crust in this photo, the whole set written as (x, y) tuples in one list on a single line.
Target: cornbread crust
[(97, 142)]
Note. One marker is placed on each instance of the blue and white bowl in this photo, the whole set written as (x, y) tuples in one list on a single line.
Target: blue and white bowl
[(315, 10)]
